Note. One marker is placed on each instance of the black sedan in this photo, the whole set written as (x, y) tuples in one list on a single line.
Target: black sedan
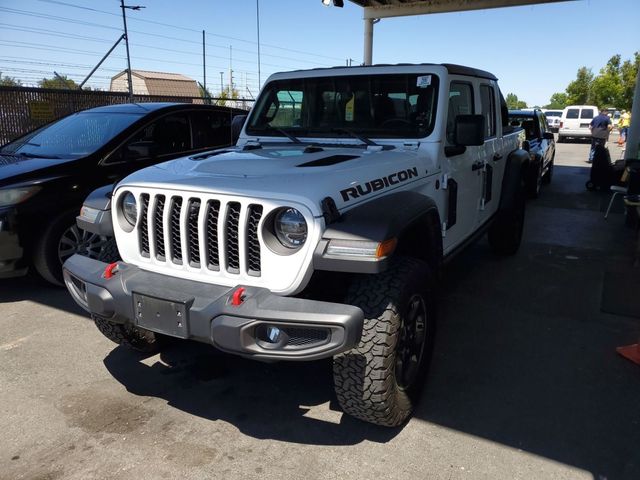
[(46, 174), (541, 146)]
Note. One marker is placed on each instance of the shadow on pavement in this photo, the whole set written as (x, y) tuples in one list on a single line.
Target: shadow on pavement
[(266, 401), (36, 290)]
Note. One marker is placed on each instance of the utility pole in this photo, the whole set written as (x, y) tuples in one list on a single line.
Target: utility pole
[(204, 71), (126, 40), (230, 70), (258, 28), (221, 82)]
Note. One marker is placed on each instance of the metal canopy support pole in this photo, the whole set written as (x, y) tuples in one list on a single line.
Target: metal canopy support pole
[(633, 134), (368, 41), (100, 62)]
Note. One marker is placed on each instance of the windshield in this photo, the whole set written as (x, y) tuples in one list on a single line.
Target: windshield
[(73, 136), (380, 106), (553, 113)]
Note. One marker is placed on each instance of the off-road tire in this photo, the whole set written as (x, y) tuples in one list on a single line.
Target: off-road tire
[(109, 253), (505, 233), (132, 337), (549, 175), (365, 378)]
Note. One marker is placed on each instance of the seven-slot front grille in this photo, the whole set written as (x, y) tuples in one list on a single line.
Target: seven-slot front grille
[(204, 234)]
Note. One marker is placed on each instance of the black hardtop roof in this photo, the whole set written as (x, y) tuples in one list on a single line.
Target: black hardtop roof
[(144, 108), (451, 68)]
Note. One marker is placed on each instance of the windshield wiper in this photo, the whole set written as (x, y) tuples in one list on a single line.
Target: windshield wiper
[(35, 155), (355, 135), (291, 137)]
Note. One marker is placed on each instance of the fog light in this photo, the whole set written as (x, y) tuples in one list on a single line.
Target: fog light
[(274, 334)]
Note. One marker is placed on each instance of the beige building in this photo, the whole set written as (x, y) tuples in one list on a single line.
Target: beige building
[(156, 83)]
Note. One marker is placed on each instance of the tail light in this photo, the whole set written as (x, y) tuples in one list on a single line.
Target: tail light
[(560, 124)]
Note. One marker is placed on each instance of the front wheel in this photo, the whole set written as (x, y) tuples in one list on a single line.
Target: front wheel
[(61, 239), (131, 337), (380, 380), (535, 180), (547, 176)]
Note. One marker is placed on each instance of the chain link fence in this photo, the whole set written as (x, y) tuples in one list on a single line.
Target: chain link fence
[(23, 109)]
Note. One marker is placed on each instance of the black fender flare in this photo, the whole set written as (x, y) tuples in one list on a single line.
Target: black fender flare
[(100, 200), (410, 217), (513, 181)]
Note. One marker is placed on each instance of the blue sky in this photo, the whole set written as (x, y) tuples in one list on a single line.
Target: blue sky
[(534, 50)]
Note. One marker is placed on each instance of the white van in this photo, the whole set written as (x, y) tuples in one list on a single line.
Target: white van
[(575, 121)]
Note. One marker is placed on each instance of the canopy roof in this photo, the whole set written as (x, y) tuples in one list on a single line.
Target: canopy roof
[(398, 8)]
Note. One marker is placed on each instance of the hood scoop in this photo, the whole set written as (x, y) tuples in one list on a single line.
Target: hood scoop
[(330, 160)]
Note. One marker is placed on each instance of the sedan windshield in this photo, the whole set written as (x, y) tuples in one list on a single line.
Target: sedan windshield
[(71, 137), (551, 113), (378, 106)]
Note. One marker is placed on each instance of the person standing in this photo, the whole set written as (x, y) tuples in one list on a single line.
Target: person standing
[(600, 127), (625, 121)]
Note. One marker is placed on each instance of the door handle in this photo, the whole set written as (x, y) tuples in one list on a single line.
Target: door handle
[(497, 157), (477, 166)]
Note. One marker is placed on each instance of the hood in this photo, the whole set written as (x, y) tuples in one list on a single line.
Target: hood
[(16, 169), (347, 175)]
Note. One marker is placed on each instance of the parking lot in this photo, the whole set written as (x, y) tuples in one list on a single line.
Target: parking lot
[(525, 381)]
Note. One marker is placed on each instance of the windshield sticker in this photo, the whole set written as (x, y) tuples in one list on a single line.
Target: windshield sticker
[(348, 110), (423, 81)]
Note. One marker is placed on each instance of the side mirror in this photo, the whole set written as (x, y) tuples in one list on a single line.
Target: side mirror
[(142, 149), (237, 123), (548, 136), (469, 130)]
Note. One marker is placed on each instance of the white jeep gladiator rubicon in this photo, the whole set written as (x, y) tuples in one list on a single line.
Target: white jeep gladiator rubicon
[(322, 233)]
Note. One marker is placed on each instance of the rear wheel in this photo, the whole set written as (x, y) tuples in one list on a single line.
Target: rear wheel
[(380, 380), (505, 233)]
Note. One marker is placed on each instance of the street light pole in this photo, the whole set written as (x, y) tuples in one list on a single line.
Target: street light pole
[(126, 40)]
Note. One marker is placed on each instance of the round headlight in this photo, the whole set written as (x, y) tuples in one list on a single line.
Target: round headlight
[(130, 208), (290, 228)]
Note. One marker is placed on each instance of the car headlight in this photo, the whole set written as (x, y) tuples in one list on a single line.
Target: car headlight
[(13, 196), (290, 228), (129, 208)]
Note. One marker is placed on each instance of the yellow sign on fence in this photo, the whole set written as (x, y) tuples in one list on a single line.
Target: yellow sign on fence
[(42, 111)]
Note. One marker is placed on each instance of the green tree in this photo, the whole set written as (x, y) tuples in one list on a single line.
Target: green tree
[(606, 88), (628, 73), (579, 91), (557, 101), (513, 103), (60, 82), (9, 81), (224, 96), (204, 92)]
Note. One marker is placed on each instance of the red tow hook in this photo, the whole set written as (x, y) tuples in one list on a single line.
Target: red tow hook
[(110, 270), (238, 297)]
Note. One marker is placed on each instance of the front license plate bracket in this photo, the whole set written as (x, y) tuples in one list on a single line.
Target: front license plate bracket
[(161, 315)]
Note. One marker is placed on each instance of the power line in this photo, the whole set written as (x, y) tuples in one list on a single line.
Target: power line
[(156, 35), (194, 30)]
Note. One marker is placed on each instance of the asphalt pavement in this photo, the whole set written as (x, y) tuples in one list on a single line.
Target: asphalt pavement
[(525, 382)]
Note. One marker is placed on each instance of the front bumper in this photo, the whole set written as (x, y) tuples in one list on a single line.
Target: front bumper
[(263, 326), (11, 251)]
